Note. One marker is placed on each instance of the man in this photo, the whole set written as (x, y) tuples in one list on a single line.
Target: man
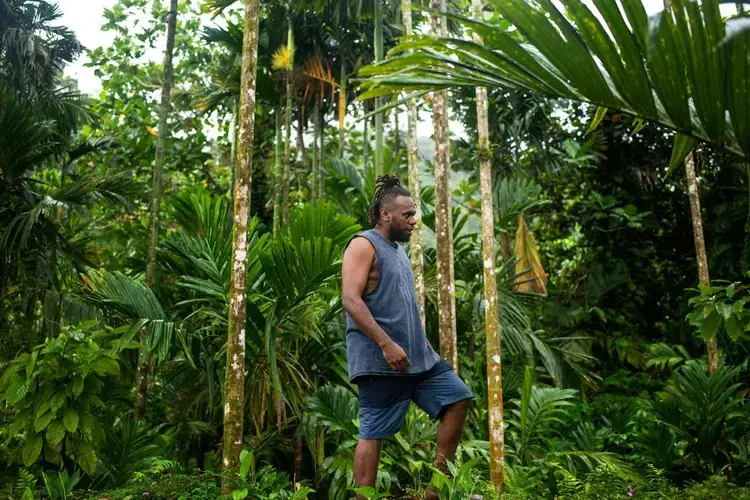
[(388, 354)]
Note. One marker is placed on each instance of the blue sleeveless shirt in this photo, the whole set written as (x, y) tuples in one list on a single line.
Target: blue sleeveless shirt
[(393, 304)]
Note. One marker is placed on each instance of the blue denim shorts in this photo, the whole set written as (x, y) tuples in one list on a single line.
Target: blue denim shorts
[(384, 400)]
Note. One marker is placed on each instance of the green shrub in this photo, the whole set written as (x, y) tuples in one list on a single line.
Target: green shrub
[(165, 487)]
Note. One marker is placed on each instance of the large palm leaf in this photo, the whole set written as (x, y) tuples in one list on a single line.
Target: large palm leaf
[(675, 68)]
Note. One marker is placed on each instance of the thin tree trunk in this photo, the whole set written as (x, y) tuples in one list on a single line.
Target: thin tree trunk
[(491, 323), (145, 363), (443, 215), (378, 41), (288, 137), (700, 249), (342, 108), (277, 174), (315, 165), (233, 146), (416, 248), (366, 144), (396, 134), (321, 156), (234, 392), (301, 126)]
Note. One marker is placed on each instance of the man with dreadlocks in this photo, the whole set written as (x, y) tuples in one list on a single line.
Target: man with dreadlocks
[(388, 354)]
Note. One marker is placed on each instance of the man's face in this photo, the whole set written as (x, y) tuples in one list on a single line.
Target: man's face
[(399, 217)]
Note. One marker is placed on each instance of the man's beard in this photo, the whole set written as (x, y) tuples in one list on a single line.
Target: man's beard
[(398, 234)]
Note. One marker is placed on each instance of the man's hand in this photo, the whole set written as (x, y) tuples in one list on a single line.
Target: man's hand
[(396, 357)]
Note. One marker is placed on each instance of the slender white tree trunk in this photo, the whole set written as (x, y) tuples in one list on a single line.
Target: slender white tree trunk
[(145, 363), (416, 248), (443, 214), (491, 323), (234, 388)]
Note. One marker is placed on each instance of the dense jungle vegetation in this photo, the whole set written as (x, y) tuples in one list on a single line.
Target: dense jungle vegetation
[(594, 184)]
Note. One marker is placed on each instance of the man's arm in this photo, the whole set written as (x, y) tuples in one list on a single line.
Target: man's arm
[(358, 259)]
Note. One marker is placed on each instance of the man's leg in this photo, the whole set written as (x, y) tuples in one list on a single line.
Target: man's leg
[(366, 458), (448, 436)]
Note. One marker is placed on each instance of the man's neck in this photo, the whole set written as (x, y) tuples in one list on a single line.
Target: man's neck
[(378, 229)]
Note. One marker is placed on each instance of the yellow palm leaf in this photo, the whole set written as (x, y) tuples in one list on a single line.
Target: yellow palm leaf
[(534, 279)]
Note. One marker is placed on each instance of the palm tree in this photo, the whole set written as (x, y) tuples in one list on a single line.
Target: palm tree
[(443, 213), (33, 50), (144, 364), (234, 393), (492, 325), (416, 248)]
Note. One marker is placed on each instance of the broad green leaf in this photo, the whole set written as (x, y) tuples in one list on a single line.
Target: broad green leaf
[(70, 419), (19, 422), (58, 400), (43, 420), (32, 448), (105, 366), (246, 462), (85, 457), (16, 391), (724, 309), (239, 494), (683, 144), (710, 325), (730, 291), (31, 364), (27, 494), (55, 432), (9, 374), (738, 306), (77, 385), (601, 112), (733, 328)]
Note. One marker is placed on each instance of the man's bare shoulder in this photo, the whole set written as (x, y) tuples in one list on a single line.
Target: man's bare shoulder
[(359, 249)]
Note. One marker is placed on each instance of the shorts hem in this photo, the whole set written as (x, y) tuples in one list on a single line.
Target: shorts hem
[(458, 399)]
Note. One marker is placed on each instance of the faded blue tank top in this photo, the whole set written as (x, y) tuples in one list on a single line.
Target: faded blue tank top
[(393, 304)]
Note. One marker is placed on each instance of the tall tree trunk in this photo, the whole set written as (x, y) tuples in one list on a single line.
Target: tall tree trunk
[(443, 214), (233, 145), (396, 134), (700, 249), (301, 147), (416, 248), (315, 165), (288, 137), (234, 391), (321, 156), (366, 144), (342, 107), (146, 362), (491, 323), (378, 41), (277, 174)]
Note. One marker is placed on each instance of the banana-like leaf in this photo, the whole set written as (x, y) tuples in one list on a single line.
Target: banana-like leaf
[(678, 68)]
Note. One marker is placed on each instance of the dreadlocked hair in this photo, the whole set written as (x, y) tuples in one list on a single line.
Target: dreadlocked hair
[(387, 188)]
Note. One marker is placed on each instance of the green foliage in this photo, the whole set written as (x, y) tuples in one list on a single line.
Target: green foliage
[(722, 308), (61, 484), (265, 483), (54, 392), (169, 486)]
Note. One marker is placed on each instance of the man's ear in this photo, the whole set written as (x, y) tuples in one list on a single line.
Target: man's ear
[(383, 213)]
